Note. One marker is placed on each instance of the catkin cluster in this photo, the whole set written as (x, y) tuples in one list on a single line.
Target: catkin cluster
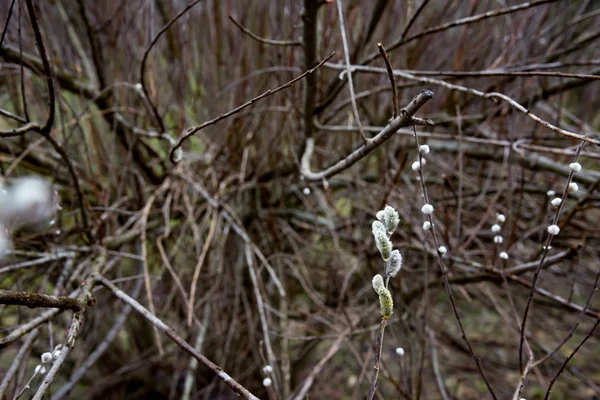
[(386, 223)]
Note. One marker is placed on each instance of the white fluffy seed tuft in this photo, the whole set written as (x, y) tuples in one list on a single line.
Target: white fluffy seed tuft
[(573, 187), (553, 229), (575, 167), (503, 255), (427, 209)]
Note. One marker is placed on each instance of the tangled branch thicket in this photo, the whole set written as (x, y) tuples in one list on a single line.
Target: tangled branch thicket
[(188, 189)]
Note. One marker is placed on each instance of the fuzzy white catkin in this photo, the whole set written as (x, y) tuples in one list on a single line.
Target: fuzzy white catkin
[(573, 187), (550, 193), (395, 263), (442, 250), (415, 166), (496, 228), (500, 218), (575, 167), (400, 351), (553, 229), (424, 149), (377, 226), (503, 255), (306, 191), (427, 209), (28, 201), (498, 239), (267, 382), (46, 357), (384, 245), (267, 369), (377, 283), (556, 201), (391, 219), (426, 225)]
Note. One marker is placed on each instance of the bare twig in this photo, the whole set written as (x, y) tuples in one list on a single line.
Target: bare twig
[(569, 357), (348, 70), (373, 386), (475, 92), (235, 386), (65, 351), (546, 249), (459, 22), (194, 130), (390, 70), (211, 233), (265, 40), (405, 119), (159, 120), (316, 370), (35, 300), (443, 271)]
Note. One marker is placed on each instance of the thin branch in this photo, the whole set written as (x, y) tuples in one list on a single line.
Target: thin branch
[(235, 386), (261, 308), (413, 18), (546, 249), (373, 385), (35, 300), (14, 367), (65, 351), (405, 119), (474, 92), (317, 369), (211, 233), (159, 120), (443, 270), (564, 364), (310, 10), (194, 130), (265, 40), (459, 22), (10, 8), (390, 70), (348, 70)]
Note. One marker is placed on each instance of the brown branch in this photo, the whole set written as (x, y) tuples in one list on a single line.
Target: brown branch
[(459, 22), (390, 70), (310, 11), (348, 71), (373, 386), (493, 96), (546, 248), (35, 300), (235, 386), (194, 130), (405, 119), (265, 40), (159, 120), (444, 270)]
